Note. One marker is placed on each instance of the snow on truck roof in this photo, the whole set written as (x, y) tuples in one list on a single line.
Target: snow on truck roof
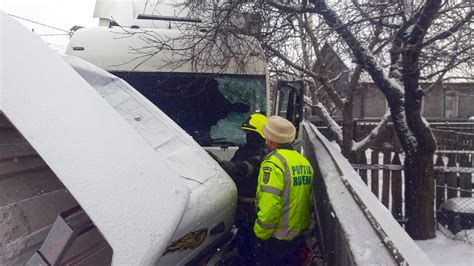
[(133, 192)]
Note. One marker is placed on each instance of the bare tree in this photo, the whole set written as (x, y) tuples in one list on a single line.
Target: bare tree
[(397, 43), (401, 87)]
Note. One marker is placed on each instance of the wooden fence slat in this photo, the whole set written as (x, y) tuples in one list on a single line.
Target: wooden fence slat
[(374, 174), (397, 196), (444, 169), (455, 151), (391, 167), (386, 179), (440, 183), (451, 178), (465, 179), (363, 172)]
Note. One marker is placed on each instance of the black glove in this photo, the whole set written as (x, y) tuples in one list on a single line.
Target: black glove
[(228, 166), (213, 156)]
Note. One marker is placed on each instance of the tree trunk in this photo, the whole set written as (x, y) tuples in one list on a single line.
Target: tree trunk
[(419, 170), (419, 196), (419, 146), (348, 117), (347, 129)]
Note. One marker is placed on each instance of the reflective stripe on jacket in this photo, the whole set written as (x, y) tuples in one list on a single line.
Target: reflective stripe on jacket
[(283, 195)]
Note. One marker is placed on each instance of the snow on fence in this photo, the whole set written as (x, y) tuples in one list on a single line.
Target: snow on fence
[(354, 227)]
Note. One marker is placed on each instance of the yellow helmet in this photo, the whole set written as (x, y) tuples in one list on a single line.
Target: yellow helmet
[(255, 123)]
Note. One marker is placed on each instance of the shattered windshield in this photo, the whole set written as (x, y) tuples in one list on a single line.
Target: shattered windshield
[(238, 90), (210, 108)]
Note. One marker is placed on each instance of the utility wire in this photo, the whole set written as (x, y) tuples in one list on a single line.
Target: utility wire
[(53, 34), (32, 21)]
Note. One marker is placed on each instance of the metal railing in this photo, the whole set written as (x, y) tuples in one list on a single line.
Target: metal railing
[(354, 227)]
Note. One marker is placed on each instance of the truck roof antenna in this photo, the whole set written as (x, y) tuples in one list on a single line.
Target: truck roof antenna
[(168, 18)]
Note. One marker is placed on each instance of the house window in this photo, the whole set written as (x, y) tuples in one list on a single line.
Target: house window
[(451, 105)]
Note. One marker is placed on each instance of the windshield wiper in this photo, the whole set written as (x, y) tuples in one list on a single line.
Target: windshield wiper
[(223, 142)]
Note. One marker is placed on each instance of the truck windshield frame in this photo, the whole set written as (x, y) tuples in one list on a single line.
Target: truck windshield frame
[(209, 107)]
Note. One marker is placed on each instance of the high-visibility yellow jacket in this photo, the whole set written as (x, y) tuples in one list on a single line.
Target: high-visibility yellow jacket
[(284, 194)]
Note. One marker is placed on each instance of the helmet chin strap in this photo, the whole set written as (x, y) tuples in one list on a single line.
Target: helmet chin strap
[(253, 137)]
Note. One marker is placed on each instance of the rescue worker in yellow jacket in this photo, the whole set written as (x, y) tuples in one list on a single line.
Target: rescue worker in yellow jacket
[(283, 196)]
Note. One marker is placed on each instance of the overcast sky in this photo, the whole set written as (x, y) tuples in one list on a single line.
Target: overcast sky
[(61, 14)]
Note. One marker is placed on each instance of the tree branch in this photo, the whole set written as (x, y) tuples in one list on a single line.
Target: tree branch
[(450, 31), (392, 89), (374, 135)]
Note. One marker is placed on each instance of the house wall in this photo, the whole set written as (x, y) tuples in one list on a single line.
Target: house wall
[(369, 102), (433, 104), (466, 99)]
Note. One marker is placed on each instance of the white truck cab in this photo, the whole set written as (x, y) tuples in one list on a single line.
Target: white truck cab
[(209, 103), (147, 44)]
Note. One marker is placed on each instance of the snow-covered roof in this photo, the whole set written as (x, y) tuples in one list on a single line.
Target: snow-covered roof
[(134, 198)]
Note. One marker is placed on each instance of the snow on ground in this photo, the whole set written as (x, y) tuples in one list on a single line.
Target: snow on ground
[(442, 250)]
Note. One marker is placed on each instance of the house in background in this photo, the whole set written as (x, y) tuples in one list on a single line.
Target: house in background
[(448, 100), (453, 100)]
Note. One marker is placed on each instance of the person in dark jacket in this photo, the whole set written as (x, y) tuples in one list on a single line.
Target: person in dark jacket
[(244, 168)]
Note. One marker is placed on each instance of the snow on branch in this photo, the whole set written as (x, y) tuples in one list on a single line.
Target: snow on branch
[(365, 143), (362, 54), (331, 123)]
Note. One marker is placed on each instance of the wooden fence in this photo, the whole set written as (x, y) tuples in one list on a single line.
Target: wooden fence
[(450, 140), (382, 171), (383, 174), (382, 168), (453, 172)]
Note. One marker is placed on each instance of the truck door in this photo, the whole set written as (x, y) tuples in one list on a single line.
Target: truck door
[(289, 101)]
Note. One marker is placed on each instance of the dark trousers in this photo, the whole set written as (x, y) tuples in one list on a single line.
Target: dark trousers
[(279, 252), (245, 238)]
